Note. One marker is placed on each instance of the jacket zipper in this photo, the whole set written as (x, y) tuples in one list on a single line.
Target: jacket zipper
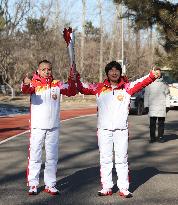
[(49, 86)]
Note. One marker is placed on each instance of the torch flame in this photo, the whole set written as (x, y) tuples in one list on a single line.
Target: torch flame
[(66, 34)]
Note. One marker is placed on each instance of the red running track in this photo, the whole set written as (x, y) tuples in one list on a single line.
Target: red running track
[(13, 125)]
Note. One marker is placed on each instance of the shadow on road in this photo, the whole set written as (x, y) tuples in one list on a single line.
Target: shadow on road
[(79, 179), (139, 177), (172, 125), (85, 183), (91, 175), (9, 178), (170, 137)]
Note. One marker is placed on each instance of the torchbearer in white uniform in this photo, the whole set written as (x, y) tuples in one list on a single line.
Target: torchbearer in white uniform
[(113, 99), (44, 124)]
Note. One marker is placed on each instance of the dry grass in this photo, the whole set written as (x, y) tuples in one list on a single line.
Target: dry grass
[(78, 101)]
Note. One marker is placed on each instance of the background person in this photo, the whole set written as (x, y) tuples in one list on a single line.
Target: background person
[(157, 102)]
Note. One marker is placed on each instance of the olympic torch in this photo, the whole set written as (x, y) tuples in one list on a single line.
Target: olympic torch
[(70, 40)]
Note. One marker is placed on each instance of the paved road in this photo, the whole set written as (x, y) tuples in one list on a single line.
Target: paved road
[(153, 167)]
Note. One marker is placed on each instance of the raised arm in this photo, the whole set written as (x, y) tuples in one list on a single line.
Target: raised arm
[(69, 88), (27, 86), (86, 88), (140, 83)]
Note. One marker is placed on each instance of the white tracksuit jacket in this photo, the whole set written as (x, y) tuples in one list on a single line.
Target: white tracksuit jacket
[(44, 124), (113, 110), (157, 98)]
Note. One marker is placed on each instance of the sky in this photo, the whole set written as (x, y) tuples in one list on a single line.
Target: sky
[(92, 12), (71, 10)]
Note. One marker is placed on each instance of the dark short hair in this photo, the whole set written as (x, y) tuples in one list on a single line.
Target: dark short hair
[(45, 61), (113, 64), (157, 68)]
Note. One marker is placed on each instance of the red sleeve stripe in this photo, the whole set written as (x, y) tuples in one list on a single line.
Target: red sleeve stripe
[(139, 84)]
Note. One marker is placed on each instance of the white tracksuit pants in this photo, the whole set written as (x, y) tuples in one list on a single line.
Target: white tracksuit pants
[(37, 139), (106, 140)]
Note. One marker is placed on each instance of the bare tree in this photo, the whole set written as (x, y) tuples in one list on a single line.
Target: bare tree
[(13, 20), (150, 45), (83, 35), (137, 49), (119, 31), (113, 37), (22, 46), (45, 9), (100, 2)]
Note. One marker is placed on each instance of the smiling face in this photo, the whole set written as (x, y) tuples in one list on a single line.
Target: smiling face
[(113, 76), (45, 70)]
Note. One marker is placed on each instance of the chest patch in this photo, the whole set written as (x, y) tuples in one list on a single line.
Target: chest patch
[(54, 96), (54, 93), (120, 97)]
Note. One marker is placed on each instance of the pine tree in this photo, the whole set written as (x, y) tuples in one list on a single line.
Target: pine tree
[(148, 13)]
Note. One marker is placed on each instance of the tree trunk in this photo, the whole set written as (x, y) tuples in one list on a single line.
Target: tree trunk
[(113, 39), (101, 42), (83, 35), (137, 48), (151, 48), (12, 90)]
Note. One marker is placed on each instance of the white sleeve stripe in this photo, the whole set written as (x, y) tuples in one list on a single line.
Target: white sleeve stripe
[(132, 84)]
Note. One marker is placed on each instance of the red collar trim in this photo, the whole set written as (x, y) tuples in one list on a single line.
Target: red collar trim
[(47, 80), (120, 84)]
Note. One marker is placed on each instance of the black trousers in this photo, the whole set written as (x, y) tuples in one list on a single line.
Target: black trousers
[(153, 121)]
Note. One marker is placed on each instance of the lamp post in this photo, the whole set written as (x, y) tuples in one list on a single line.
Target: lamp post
[(120, 14)]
